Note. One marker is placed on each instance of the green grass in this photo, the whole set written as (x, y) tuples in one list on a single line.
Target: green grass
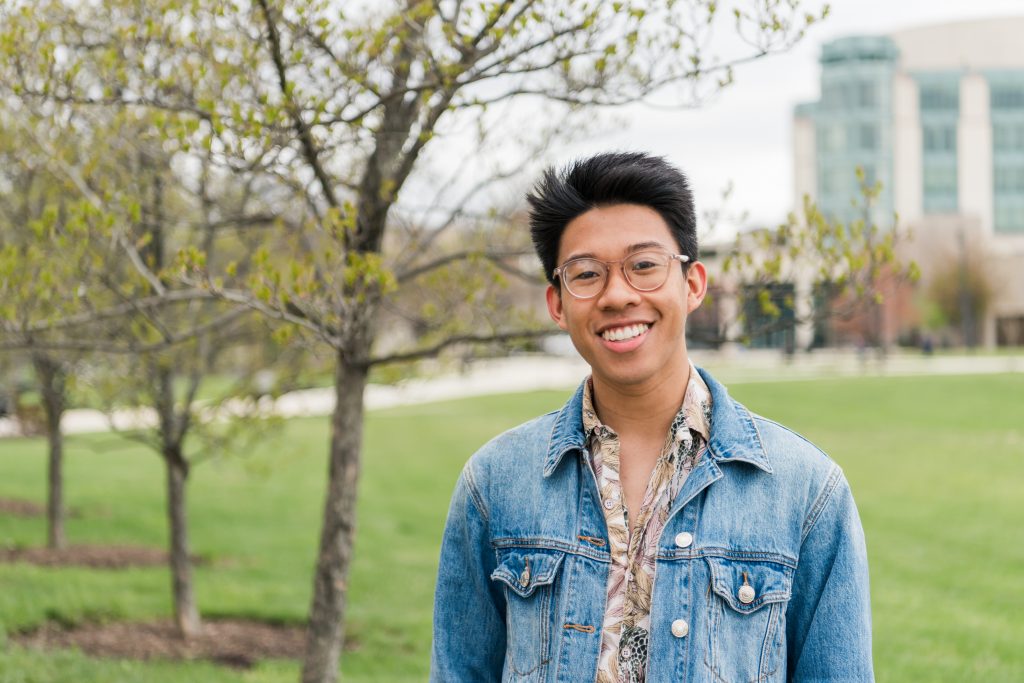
[(936, 465)]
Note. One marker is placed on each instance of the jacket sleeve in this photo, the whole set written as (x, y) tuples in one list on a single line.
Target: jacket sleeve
[(829, 615), (469, 611)]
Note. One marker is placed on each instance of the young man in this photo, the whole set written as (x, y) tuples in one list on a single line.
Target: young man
[(652, 529)]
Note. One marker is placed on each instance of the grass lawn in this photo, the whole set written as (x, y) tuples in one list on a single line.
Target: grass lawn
[(936, 465)]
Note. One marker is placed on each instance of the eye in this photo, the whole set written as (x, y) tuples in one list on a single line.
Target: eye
[(577, 276), (584, 270), (643, 264)]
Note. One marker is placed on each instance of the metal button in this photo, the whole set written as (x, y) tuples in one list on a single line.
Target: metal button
[(746, 594), (680, 628), (524, 578), (609, 504), (684, 539)]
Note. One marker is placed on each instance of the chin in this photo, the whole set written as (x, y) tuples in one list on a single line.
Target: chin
[(626, 377)]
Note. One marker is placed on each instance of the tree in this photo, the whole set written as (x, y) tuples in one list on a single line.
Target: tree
[(38, 226), (961, 292), (850, 263), (60, 243), (168, 378), (337, 110)]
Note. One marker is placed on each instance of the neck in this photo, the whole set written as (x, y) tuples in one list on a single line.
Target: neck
[(649, 408)]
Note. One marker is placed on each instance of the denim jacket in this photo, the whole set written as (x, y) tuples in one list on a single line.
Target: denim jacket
[(761, 573)]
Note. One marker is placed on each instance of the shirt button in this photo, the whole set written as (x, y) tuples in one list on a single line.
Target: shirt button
[(684, 539), (746, 594), (680, 628), (609, 504)]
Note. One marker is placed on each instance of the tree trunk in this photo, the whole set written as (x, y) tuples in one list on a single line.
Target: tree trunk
[(186, 614), (52, 387), (327, 612)]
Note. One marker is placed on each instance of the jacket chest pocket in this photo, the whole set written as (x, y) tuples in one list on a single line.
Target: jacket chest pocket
[(747, 607), (529, 579)]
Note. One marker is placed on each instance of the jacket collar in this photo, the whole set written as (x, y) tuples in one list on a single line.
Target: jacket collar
[(734, 436)]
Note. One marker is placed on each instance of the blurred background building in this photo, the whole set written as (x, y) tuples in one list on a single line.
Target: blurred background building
[(936, 115)]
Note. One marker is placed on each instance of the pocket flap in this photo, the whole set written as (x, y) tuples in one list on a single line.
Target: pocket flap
[(748, 585), (524, 569)]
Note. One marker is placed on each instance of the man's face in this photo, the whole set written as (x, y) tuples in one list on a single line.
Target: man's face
[(631, 339)]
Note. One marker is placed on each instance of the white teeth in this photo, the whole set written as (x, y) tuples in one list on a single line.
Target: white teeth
[(623, 333)]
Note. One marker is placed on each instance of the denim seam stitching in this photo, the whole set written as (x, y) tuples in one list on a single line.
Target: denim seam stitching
[(835, 476), (757, 432), (772, 627), (766, 646), (474, 493), (736, 556), (541, 544), (768, 420)]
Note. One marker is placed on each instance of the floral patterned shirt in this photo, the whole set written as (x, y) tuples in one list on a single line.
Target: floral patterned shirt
[(627, 618)]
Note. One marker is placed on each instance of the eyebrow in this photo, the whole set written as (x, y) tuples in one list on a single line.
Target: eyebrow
[(631, 249)]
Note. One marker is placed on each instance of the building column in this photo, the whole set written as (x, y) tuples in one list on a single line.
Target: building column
[(908, 174), (974, 152), (805, 169)]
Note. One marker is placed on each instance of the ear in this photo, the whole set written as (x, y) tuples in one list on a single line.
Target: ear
[(696, 285), (555, 310)]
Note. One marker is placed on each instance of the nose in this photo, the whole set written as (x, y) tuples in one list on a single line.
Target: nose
[(618, 293)]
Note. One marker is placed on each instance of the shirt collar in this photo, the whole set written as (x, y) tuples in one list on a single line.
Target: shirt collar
[(731, 432), (694, 413)]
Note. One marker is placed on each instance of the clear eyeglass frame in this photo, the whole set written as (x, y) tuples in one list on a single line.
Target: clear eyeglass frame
[(607, 265)]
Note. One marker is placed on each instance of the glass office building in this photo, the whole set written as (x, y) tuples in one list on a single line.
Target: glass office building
[(936, 114), (853, 126)]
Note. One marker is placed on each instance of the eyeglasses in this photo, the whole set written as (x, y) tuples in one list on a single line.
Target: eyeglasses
[(645, 271)]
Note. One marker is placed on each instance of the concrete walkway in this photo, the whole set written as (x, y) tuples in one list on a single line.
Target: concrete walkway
[(530, 373)]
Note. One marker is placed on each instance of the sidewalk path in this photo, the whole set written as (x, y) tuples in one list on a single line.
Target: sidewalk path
[(530, 373)]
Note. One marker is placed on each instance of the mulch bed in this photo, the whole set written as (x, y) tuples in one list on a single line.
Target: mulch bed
[(17, 507), (231, 642), (94, 556)]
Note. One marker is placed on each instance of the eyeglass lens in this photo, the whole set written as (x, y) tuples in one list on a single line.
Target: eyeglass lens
[(644, 271)]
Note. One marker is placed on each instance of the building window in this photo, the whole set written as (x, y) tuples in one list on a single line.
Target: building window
[(867, 94), (939, 137), (1007, 96), (1010, 330), (940, 96), (1009, 180), (870, 175), (1008, 137), (867, 136), (828, 185), (940, 188), (832, 138)]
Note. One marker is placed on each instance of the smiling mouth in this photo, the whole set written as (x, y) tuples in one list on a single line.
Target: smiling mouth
[(625, 333)]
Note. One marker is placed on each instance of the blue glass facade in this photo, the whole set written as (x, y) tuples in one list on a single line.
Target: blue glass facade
[(1006, 103), (853, 125), (939, 101)]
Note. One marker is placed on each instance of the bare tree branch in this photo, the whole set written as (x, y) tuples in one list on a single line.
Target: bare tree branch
[(497, 257), (107, 346), (429, 351), (89, 317), (309, 147), (120, 102), (74, 175)]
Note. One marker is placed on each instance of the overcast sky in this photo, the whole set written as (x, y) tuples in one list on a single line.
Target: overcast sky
[(744, 136)]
